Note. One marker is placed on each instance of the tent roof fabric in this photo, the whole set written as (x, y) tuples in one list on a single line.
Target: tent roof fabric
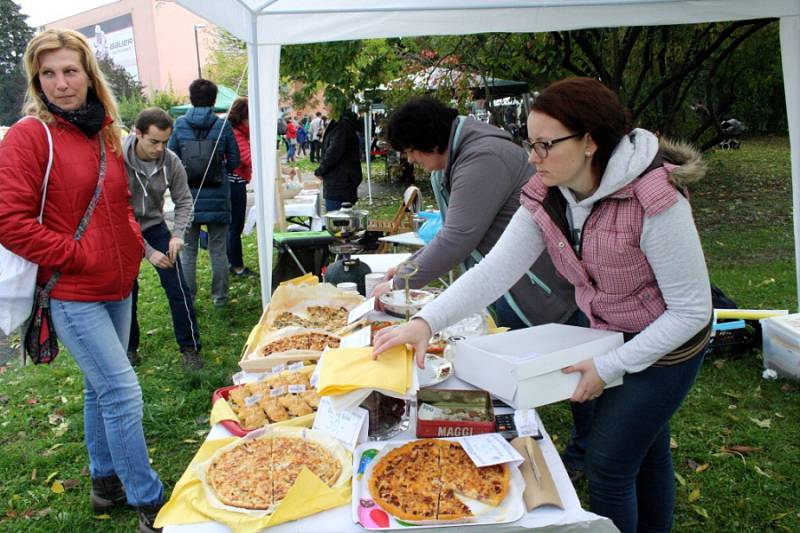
[(276, 21)]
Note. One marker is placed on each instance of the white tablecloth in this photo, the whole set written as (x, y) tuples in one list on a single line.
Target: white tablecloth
[(405, 239), (306, 205), (339, 520)]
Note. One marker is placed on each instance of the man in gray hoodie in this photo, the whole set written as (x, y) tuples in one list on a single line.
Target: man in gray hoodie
[(152, 170)]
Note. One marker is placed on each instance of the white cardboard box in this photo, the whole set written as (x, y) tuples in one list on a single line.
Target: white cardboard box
[(523, 367), (781, 344)]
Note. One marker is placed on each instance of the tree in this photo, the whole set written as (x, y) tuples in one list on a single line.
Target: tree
[(228, 64), (123, 85), (14, 35)]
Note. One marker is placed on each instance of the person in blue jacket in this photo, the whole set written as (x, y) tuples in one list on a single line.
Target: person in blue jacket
[(212, 205)]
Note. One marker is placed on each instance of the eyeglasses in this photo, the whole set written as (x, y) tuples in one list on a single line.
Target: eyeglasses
[(542, 148)]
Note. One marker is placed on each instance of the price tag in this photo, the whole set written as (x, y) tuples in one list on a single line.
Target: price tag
[(357, 339), (294, 367), (250, 401), (429, 412), (277, 391), (297, 389), (361, 310), (348, 427), (277, 369), (527, 423), (490, 449)]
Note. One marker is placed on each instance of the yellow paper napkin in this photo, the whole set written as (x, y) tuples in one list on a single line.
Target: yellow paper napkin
[(305, 279), (188, 504), (348, 369)]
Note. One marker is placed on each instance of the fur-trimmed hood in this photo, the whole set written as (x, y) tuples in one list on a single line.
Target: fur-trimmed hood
[(690, 166)]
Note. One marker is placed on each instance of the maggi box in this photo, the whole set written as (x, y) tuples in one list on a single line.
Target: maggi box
[(523, 367), (454, 413)]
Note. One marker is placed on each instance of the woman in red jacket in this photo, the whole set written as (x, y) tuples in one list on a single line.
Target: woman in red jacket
[(238, 117), (90, 303)]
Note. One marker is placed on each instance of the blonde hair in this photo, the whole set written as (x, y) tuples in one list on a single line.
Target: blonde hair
[(56, 39)]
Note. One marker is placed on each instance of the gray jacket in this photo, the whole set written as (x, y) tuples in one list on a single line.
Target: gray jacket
[(148, 190), (484, 177)]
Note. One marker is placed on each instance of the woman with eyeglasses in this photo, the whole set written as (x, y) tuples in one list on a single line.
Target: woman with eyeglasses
[(608, 204)]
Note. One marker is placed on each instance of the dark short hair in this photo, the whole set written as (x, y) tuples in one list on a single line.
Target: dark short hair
[(202, 93), (153, 116), (422, 123), (239, 111), (318, 113), (584, 105)]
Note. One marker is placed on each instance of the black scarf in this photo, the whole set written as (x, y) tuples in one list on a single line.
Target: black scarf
[(89, 119)]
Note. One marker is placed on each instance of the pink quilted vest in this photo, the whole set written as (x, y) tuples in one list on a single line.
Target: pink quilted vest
[(614, 284)]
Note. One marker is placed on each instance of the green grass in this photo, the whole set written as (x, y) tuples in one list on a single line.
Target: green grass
[(743, 213)]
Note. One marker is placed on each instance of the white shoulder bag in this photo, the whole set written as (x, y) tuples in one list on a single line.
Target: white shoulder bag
[(18, 275)]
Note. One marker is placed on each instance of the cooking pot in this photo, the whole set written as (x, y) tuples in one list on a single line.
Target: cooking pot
[(347, 223)]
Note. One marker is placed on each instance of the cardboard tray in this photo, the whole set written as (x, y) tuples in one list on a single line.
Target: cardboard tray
[(454, 428), (236, 428)]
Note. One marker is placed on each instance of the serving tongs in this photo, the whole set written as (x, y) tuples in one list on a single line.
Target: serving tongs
[(406, 271)]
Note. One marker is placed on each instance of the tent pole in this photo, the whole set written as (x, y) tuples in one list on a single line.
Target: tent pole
[(790, 57), (367, 145), (264, 64)]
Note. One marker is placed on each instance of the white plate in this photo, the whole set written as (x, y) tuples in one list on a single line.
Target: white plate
[(437, 369), (366, 513)]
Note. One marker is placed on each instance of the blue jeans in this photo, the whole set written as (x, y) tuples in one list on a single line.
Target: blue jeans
[(333, 205), (238, 212), (96, 335), (628, 461), (173, 281)]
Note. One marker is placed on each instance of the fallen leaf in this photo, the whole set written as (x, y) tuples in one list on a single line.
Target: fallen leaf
[(719, 363), (11, 513), (699, 510), (731, 394), (44, 512), (51, 450), (3, 369), (50, 477), (702, 468), (57, 487), (33, 475), (694, 495), (70, 484), (55, 419), (744, 450), (102, 517), (61, 429), (788, 387), (757, 469), (3, 399), (680, 480), (32, 401), (189, 441), (692, 464), (85, 471), (779, 415), (673, 443), (765, 423)]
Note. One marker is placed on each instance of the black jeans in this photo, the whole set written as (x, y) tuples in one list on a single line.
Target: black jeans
[(184, 320), (238, 214), (316, 148)]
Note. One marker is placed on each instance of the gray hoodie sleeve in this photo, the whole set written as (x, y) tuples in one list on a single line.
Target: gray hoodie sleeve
[(181, 195), (478, 192)]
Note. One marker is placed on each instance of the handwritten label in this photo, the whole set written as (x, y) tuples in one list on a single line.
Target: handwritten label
[(297, 389), (277, 391), (250, 401), (527, 423), (294, 367), (277, 369), (361, 310), (357, 339), (348, 427), (490, 449)]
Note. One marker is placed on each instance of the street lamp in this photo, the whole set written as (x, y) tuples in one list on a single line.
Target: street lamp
[(197, 48)]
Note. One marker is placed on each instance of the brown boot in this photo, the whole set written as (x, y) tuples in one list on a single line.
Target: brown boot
[(147, 518), (107, 493)]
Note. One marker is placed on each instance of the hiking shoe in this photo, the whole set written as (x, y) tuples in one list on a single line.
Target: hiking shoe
[(133, 357), (107, 493), (244, 273), (191, 359), (147, 518)]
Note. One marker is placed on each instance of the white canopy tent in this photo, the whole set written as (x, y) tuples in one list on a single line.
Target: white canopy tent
[(265, 25)]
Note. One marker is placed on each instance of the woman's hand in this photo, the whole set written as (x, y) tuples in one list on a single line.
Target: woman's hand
[(416, 333), (590, 386)]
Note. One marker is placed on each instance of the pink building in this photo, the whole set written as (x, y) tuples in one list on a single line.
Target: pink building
[(157, 41)]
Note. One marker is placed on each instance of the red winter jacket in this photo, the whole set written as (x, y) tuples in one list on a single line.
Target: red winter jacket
[(105, 262), (242, 135)]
